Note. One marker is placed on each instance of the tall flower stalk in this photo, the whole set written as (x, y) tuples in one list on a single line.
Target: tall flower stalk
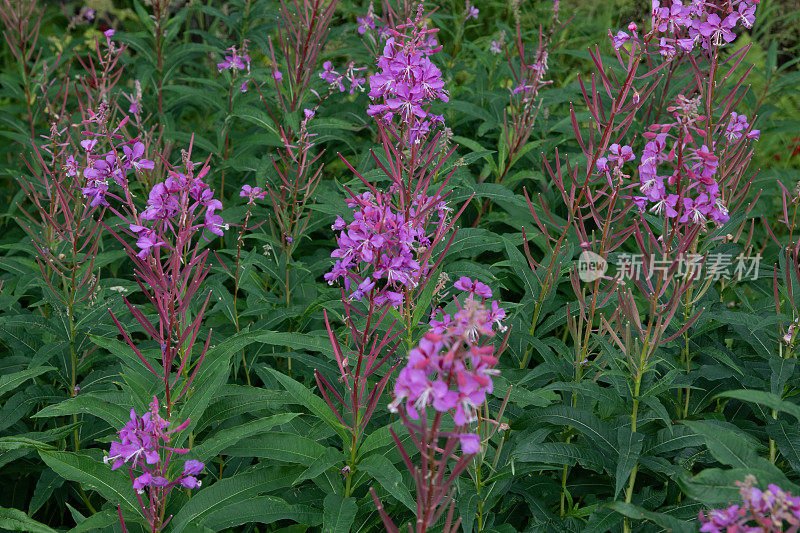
[(707, 157), (451, 370), (169, 259), (389, 254)]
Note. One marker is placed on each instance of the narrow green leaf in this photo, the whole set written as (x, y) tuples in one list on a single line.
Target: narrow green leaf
[(286, 447), (385, 473), (763, 398), (338, 513), (16, 520), (11, 381), (264, 510), (300, 395), (113, 485), (669, 523), (228, 437), (788, 440), (326, 460), (630, 447), (240, 488), (89, 404)]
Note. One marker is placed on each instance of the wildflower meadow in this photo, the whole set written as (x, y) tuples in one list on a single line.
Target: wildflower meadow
[(400, 265)]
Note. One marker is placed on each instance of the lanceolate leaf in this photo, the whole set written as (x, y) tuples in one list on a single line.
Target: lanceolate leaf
[(16, 520), (113, 485), (338, 513), (235, 490), (225, 438)]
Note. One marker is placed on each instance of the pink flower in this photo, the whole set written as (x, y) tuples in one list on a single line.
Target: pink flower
[(147, 240), (472, 11), (133, 158), (473, 287)]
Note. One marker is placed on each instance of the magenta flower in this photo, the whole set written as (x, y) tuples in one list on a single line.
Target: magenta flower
[(161, 204), (449, 370), (191, 468), (148, 239), (236, 60), (190, 482), (89, 144), (252, 193), (736, 125), (620, 39), (747, 13), (470, 442), (365, 23), (71, 167), (133, 158), (331, 76), (473, 287), (213, 221), (96, 187), (471, 11), (718, 30)]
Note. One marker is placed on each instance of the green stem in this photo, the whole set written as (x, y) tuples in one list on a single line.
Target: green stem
[(634, 419)]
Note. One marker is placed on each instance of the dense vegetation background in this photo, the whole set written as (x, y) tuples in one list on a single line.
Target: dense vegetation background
[(583, 430)]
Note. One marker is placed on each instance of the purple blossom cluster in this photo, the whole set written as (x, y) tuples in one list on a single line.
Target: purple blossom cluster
[(380, 253), (237, 60), (450, 369), (684, 27), (494, 316), (690, 192), (141, 445), (103, 168), (179, 205), (408, 81), (371, 23), (337, 80), (177, 199), (767, 511)]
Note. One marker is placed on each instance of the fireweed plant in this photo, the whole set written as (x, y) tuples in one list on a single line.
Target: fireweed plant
[(361, 266), (704, 146)]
